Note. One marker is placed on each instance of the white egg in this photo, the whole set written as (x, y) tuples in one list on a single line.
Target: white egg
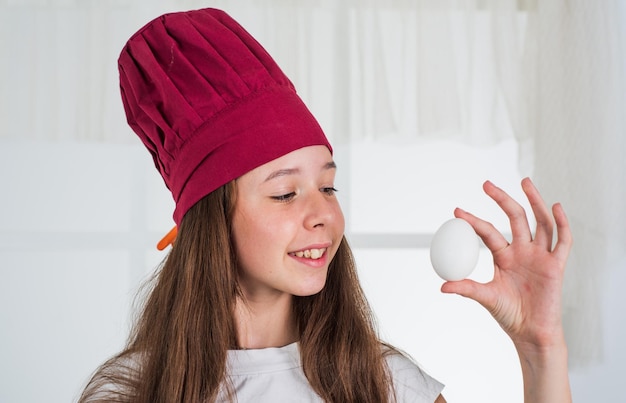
[(454, 250)]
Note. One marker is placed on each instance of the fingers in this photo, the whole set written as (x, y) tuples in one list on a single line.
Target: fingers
[(520, 228), (545, 223), (564, 234), (492, 238), (516, 213)]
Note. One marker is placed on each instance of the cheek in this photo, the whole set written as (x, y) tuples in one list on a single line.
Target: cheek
[(249, 226), (340, 218), (245, 233), (339, 221), (256, 236)]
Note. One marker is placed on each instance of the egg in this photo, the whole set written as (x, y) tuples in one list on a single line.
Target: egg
[(454, 250)]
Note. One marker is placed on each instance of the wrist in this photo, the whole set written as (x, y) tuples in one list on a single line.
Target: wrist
[(545, 372), (542, 347)]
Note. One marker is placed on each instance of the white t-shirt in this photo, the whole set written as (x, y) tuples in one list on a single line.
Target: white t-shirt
[(275, 375)]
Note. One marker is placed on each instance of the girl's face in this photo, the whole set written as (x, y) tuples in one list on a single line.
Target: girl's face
[(287, 224)]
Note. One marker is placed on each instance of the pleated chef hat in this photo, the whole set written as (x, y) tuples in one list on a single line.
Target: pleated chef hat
[(209, 102)]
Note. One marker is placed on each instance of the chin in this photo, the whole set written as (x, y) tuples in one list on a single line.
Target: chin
[(309, 290)]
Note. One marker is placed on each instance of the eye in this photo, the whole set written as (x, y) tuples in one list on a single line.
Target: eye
[(330, 191), (284, 198)]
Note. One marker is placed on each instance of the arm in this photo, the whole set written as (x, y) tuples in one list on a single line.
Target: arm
[(525, 294)]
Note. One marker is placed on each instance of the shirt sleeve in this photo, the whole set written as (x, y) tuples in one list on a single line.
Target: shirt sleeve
[(411, 383)]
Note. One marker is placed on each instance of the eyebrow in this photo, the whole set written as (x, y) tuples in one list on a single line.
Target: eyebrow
[(293, 171)]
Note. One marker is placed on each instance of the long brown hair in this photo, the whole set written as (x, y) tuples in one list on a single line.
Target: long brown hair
[(177, 350)]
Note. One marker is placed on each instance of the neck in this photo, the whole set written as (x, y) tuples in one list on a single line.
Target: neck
[(265, 323)]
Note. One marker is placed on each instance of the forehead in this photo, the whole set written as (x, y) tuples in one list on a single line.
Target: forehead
[(306, 159)]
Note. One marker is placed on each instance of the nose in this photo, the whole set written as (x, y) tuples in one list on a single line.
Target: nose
[(321, 211)]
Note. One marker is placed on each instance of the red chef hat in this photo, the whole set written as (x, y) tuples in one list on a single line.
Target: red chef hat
[(209, 102)]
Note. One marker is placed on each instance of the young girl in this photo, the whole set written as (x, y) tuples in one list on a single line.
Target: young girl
[(258, 299)]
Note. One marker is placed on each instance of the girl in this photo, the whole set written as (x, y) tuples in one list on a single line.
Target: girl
[(258, 299)]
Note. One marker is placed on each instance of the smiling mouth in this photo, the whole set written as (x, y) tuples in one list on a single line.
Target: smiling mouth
[(309, 253)]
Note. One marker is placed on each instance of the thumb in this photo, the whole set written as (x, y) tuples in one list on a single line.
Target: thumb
[(470, 289)]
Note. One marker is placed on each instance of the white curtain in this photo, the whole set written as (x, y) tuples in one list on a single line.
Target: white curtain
[(369, 69), (575, 129), (550, 73)]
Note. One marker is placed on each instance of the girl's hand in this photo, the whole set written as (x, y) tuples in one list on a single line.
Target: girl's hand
[(524, 295)]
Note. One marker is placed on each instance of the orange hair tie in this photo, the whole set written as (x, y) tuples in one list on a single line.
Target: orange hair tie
[(168, 239)]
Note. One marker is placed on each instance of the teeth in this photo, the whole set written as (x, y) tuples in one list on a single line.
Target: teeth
[(310, 253)]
